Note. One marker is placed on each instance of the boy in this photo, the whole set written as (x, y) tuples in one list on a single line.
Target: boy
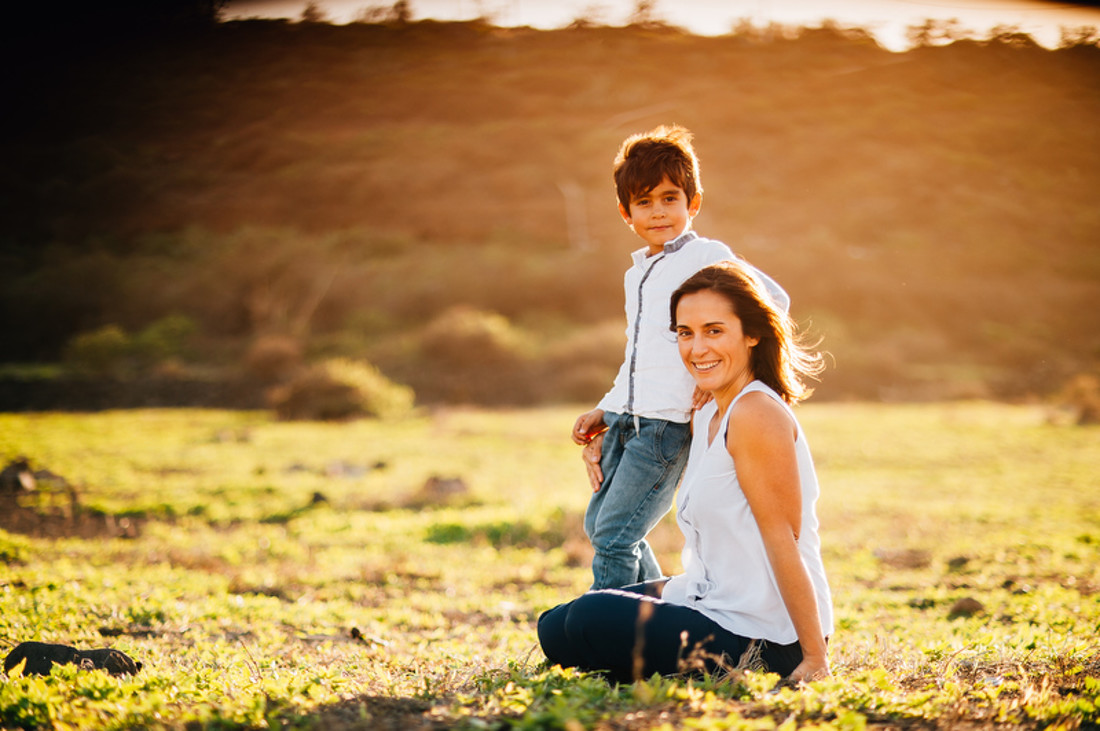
[(637, 438)]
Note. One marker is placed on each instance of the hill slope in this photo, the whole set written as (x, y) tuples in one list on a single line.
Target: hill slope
[(933, 212)]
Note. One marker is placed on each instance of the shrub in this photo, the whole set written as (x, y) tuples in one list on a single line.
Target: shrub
[(273, 358), (464, 336), (583, 382), (399, 12), (1078, 37), (164, 339), (340, 389), (582, 366), (111, 351), (312, 13), (13, 549), (380, 396), (466, 355), (106, 351), (1081, 395)]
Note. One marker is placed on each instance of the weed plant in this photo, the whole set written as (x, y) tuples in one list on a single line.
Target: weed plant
[(281, 576)]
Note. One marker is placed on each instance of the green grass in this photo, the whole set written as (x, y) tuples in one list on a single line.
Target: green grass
[(240, 595)]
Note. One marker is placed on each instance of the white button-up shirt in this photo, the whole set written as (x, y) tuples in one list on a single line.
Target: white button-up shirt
[(652, 381)]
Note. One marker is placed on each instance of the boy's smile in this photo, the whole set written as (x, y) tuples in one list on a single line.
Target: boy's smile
[(661, 214)]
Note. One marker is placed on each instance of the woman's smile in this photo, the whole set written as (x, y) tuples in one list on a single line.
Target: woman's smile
[(704, 367), (713, 346)]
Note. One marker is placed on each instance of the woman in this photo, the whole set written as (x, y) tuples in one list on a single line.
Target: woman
[(753, 592)]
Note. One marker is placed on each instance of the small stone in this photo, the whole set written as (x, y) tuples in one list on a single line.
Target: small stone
[(958, 562), (965, 607)]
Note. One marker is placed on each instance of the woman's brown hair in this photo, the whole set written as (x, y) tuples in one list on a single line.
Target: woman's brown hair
[(780, 360)]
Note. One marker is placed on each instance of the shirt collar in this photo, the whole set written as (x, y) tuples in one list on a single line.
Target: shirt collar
[(678, 243), (671, 247)]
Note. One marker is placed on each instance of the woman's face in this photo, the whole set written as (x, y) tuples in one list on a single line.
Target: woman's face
[(713, 346)]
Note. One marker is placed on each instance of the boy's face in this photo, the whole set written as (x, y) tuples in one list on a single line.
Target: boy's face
[(660, 214)]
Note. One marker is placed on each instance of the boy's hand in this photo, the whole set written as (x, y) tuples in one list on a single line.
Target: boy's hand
[(592, 453), (699, 398), (588, 425)]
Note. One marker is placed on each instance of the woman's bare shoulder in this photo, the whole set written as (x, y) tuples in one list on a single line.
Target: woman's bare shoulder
[(758, 415)]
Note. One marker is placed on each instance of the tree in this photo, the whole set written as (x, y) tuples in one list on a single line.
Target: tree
[(313, 13)]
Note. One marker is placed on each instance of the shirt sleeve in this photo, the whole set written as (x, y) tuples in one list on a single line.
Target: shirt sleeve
[(719, 251), (778, 294)]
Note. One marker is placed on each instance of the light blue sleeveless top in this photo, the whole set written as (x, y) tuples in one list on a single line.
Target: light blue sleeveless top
[(727, 575)]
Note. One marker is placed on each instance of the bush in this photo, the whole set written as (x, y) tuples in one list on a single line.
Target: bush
[(380, 396), (102, 352), (582, 366), (341, 389), (111, 351), (273, 358), (165, 339), (464, 336), (1081, 395), (467, 355)]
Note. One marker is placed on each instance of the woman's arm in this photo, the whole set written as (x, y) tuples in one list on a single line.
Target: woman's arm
[(761, 440)]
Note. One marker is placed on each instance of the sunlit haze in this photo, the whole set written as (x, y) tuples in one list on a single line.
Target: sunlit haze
[(886, 19)]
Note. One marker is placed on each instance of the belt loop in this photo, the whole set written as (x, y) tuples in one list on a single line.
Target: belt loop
[(637, 425)]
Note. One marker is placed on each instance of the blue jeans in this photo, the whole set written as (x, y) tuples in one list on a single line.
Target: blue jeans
[(641, 469), (629, 634)]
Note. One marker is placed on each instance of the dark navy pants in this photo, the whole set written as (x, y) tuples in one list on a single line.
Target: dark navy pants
[(629, 634)]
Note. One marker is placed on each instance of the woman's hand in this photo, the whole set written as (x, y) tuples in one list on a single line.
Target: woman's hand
[(810, 669)]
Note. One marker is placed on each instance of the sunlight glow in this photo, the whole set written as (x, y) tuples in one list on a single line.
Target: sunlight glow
[(887, 20)]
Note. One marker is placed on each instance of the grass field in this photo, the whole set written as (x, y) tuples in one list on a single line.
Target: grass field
[(306, 575)]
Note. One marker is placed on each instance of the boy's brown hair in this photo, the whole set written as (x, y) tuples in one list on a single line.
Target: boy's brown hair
[(645, 158)]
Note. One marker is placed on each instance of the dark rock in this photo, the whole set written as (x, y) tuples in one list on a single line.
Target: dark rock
[(40, 657)]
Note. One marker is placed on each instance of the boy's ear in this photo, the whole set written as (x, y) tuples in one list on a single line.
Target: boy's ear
[(625, 214), (695, 204)]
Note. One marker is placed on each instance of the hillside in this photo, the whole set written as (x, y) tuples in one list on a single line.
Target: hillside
[(933, 213)]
